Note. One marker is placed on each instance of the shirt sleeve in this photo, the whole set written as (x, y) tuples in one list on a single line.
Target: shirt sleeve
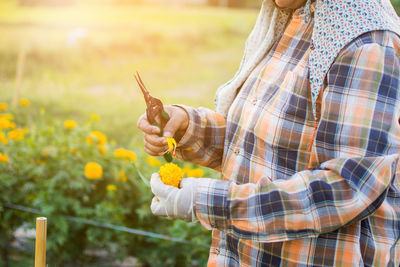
[(356, 150), (203, 141)]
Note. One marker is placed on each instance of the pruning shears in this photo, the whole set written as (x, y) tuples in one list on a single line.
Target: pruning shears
[(154, 109)]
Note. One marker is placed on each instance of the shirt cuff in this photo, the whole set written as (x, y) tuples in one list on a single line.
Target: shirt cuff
[(189, 137), (212, 205)]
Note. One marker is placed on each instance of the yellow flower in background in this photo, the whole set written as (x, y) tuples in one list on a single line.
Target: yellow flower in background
[(94, 117), (3, 158), (23, 102), (3, 138), (122, 176), (16, 135), (196, 173), (70, 124), (102, 149), (152, 161), (93, 170), (125, 154), (111, 187), (3, 106), (42, 110), (6, 124), (7, 116), (74, 150), (96, 138), (171, 174)]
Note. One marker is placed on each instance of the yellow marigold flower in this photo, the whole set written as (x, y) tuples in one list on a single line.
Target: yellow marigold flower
[(125, 154), (16, 135), (97, 138), (171, 145), (152, 161), (94, 117), (3, 158), (3, 138), (74, 150), (3, 106), (42, 110), (24, 102), (7, 116), (122, 177), (111, 187), (5, 124), (93, 170), (171, 174), (70, 124), (102, 149), (195, 173)]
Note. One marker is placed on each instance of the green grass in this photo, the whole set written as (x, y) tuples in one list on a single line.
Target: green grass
[(183, 55)]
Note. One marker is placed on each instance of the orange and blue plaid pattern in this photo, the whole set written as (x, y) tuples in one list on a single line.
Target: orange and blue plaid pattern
[(296, 191)]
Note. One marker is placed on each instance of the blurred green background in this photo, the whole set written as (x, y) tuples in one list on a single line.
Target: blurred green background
[(78, 57)]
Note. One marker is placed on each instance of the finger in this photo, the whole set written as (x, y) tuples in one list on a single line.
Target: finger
[(157, 207), (152, 153), (185, 182), (144, 125), (156, 149), (155, 140), (171, 127), (160, 189)]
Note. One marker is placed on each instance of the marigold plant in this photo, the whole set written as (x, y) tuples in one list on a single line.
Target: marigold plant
[(3, 158), (111, 187), (16, 135), (24, 102), (96, 138), (70, 124), (3, 138), (7, 116), (121, 176), (3, 106), (152, 161), (6, 124), (93, 170), (171, 174), (125, 154)]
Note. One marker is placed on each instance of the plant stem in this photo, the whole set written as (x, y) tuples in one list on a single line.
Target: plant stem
[(145, 181)]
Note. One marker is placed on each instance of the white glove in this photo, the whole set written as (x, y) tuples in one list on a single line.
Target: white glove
[(174, 203)]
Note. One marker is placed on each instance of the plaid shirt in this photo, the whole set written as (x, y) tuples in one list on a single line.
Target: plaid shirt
[(295, 190)]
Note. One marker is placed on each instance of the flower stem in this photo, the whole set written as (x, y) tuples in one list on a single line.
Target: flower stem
[(145, 181)]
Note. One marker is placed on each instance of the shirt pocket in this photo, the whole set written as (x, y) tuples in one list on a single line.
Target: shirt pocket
[(274, 95)]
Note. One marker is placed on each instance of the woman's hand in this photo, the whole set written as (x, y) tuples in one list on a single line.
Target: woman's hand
[(155, 145)]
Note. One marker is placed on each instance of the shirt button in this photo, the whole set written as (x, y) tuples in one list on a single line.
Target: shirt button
[(236, 151), (217, 251), (254, 101)]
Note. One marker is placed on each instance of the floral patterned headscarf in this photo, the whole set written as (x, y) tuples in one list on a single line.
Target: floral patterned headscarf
[(336, 24)]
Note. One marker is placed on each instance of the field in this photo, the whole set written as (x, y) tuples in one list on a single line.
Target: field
[(77, 63), (183, 55)]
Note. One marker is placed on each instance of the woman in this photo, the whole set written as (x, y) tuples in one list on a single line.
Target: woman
[(306, 137)]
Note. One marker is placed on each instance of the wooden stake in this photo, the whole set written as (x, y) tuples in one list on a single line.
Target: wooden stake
[(40, 244)]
